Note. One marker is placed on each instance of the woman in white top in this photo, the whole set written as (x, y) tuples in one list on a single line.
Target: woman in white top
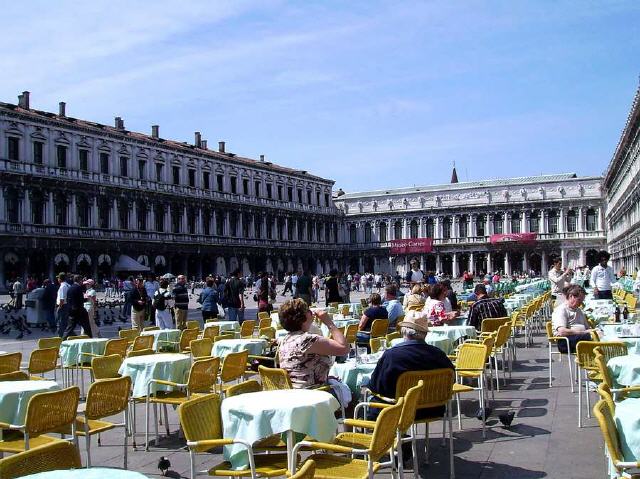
[(91, 305), (569, 320), (163, 303)]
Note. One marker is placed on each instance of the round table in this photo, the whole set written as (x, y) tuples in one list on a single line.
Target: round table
[(170, 335), (443, 343), (353, 374), (15, 395), (224, 325), (255, 416), (90, 473), (454, 333), (70, 350), (223, 347), (168, 366), (627, 417), (340, 323), (625, 370)]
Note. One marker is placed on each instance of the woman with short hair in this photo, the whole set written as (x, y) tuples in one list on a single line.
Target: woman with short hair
[(434, 306)]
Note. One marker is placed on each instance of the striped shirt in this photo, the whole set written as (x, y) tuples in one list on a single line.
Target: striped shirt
[(486, 308)]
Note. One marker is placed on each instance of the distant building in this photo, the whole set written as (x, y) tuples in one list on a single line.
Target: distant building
[(622, 190), (75, 195)]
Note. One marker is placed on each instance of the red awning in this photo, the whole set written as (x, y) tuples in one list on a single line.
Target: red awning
[(414, 245)]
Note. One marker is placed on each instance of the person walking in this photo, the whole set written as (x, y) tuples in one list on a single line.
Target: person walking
[(209, 300), (62, 308), (162, 304), (139, 300), (91, 305), (49, 303), (602, 277), (303, 287), (181, 298), (234, 298), (18, 293), (77, 314)]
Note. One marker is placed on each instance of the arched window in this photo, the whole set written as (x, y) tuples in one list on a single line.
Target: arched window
[(397, 229), (123, 213), (446, 228), (142, 210), (515, 223), (158, 211), (534, 222), (430, 230), (497, 223), (592, 220), (383, 232), (219, 223), (60, 210), (413, 229), (572, 221), (233, 224), (367, 232), (83, 211), (463, 226), (37, 209), (352, 234), (176, 218)]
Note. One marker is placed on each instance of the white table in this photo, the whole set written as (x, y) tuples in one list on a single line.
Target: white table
[(223, 347), (90, 473), (255, 416), (71, 349), (454, 333), (15, 396), (225, 326), (172, 335), (168, 366), (625, 370)]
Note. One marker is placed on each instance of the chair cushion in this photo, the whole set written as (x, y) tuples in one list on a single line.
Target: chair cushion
[(329, 466)]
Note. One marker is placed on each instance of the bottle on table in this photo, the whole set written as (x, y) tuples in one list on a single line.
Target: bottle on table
[(617, 315), (625, 313)]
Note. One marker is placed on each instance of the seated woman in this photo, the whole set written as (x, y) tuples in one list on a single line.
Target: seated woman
[(569, 321), (304, 355), (434, 306), (414, 301), (376, 311)]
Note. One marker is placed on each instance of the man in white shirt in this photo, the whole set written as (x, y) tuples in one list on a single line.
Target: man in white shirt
[(294, 283), (415, 275), (559, 280), (62, 309), (602, 277)]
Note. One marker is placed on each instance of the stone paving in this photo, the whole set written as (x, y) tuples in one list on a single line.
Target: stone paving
[(543, 440)]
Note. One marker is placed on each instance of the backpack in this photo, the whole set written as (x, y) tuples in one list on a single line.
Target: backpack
[(159, 301)]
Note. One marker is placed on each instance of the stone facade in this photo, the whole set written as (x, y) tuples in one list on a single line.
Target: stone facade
[(622, 190), (566, 213), (74, 195)]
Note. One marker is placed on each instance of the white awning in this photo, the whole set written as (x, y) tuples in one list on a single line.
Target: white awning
[(127, 263)]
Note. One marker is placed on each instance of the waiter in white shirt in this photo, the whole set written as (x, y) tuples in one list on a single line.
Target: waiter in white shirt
[(602, 277), (62, 308)]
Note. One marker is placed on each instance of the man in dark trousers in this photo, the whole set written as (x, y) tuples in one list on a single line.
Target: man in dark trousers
[(77, 313)]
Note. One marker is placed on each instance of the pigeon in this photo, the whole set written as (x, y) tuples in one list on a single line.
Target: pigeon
[(486, 412), (164, 465), (507, 418)]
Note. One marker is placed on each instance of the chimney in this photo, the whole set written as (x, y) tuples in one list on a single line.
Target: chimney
[(221, 146), (155, 131), (62, 109), (23, 100), (262, 158), (198, 140), (119, 123), (204, 144)]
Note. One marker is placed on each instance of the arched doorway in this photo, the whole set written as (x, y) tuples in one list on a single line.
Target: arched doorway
[(497, 262), (447, 264), (535, 263), (463, 264), (592, 258), (61, 263), (104, 266), (12, 267), (479, 260), (429, 263), (160, 265), (515, 260), (83, 265)]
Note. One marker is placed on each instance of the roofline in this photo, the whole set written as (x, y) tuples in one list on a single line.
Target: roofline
[(183, 147)]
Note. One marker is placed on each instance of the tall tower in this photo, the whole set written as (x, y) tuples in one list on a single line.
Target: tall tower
[(454, 174)]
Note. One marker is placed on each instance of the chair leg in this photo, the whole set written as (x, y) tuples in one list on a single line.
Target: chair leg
[(126, 439), (400, 458), (414, 449), (482, 405), (192, 464), (550, 364), (87, 442), (426, 442), (166, 419), (155, 422), (586, 393), (579, 374), (459, 417), (571, 372), (146, 427), (452, 473)]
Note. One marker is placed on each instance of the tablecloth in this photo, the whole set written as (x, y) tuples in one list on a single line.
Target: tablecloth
[(172, 335), (169, 366), (454, 333), (15, 395), (353, 374), (70, 350), (225, 346), (625, 370), (627, 417), (441, 342), (258, 415), (91, 473), (340, 323), (225, 325), (354, 308)]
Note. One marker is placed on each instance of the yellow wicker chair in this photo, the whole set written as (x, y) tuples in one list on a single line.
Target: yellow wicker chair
[(14, 376), (274, 378), (142, 342), (250, 386), (106, 367), (470, 363), (392, 336), (247, 327), (553, 340), (405, 425), (500, 348), (193, 324), (268, 333), (42, 361), (234, 366), (81, 336), (334, 305), (56, 456), (201, 348), (263, 315), (330, 466), (211, 332), (264, 322), (48, 412), (491, 325), (44, 343), (105, 398), (182, 345), (379, 328), (587, 369), (151, 328), (607, 381), (351, 333), (202, 379), (345, 310), (10, 362), (606, 421), (129, 334), (223, 336), (375, 344), (140, 352), (612, 349), (201, 422), (307, 471)]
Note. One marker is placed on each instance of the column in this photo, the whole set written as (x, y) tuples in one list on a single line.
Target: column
[(151, 225), (360, 266), (199, 224), (524, 222), (225, 224), (436, 228), (470, 265), (489, 225), (72, 215), (561, 223), (525, 263), (214, 226), (422, 262), (3, 217), (115, 223), (421, 231), (489, 265), (405, 227), (184, 226), (455, 264), (50, 209), (507, 265), (580, 218), (601, 220), (252, 226), (286, 229), (563, 257), (543, 265), (240, 224), (263, 228), (543, 222), (583, 259), (506, 223), (94, 214), (26, 207), (438, 263), (456, 229), (167, 223), (133, 225)]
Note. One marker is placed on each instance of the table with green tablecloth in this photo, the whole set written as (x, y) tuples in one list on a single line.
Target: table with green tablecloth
[(441, 342), (15, 395), (354, 308), (340, 323), (627, 417), (90, 473), (168, 366), (70, 350), (353, 374), (258, 415), (162, 336), (225, 326), (625, 370), (454, 333), (225, 346), (633, 343)]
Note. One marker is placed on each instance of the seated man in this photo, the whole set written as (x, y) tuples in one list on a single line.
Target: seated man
[(393, 305), (413, 354), (376, 311), (485, 307), (569, 320)]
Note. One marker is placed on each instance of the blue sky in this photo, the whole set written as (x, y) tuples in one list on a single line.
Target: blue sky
[(372, 94)]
